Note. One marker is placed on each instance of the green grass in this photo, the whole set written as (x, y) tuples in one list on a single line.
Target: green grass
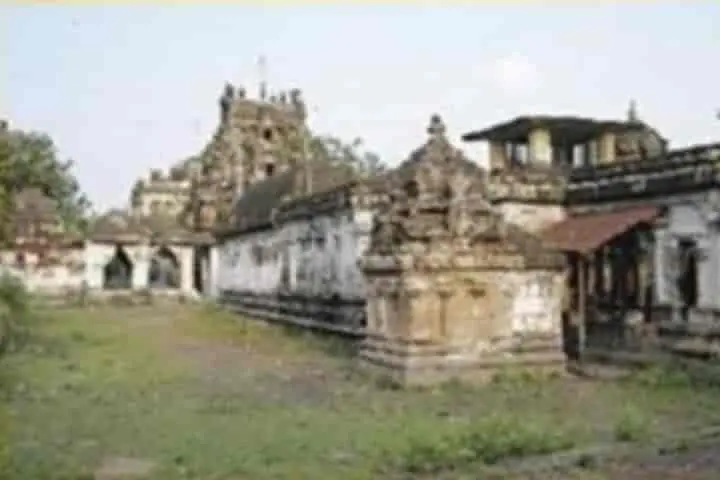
[(208, 395)]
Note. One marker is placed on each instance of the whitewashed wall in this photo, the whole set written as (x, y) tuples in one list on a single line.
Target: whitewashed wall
[(536, 301), (314, 258), (97, 255), (688, 220), (67, 274)]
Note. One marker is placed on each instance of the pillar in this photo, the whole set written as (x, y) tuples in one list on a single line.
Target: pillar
[(498, 157), (540, 147), (140, 258), (186, 269), (213, 267), (606, 148)]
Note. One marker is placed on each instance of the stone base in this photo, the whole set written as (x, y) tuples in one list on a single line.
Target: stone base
[(331, 314), (418, 364)]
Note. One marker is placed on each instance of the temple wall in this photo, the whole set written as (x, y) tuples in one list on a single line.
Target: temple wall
[(688, 221), (308, 268), (536, 301), (98, 255), (57, 277), (532, 218), (690, 334)]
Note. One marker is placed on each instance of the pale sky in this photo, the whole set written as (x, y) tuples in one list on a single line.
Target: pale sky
[(123, 89)]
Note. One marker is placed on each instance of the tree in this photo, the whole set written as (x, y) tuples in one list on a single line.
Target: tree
[(335, 151), (30, 159)]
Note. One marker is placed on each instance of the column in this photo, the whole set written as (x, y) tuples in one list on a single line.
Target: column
[(498, 157), (540, 147), (186, 269), (213, 287), (606, 149), (140, 258)]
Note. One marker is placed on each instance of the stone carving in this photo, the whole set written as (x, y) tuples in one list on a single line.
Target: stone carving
[(640, 141), (226, 101), (438, 252), (297, 103), (434, 199)]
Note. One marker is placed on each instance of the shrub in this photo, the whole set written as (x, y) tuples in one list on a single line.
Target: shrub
[(632, 426), (489, 441), (14, 312)]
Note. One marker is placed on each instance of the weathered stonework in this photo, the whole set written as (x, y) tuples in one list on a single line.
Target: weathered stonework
[(444, 268), (448, 277)]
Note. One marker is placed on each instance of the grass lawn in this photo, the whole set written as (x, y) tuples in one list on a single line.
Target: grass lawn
[(207, 395)]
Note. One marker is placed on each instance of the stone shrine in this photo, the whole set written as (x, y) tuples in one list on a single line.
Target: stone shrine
[(447, 277)]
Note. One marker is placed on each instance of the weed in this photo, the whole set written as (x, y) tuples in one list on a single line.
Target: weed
[(632, 426), (488, 441), (238, 398)]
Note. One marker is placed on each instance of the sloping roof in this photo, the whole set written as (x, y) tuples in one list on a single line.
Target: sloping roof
[(563, 126), (585, 233), (120, 226), (254, 209), (117, 224)]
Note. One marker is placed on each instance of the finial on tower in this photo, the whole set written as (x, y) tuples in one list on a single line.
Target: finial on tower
[(262, 73), (226, 100), (632, 115), (437, 127)]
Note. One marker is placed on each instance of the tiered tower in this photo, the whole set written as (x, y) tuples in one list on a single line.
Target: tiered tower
[(256, 139)]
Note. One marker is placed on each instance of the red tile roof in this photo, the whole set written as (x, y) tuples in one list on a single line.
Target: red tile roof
[(585, 233)]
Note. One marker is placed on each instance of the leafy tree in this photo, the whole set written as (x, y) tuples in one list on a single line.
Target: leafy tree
[(354, 154), (30, 159)]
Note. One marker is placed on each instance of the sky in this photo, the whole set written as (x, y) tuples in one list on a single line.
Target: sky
[(122, 89)]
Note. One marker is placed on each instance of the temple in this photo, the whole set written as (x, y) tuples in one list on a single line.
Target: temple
[(582, 238)]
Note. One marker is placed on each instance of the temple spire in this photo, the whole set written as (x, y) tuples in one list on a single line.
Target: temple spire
[(632, 115), (262, 74), (436, 129)]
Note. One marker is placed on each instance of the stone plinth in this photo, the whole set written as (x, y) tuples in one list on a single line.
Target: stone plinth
[(459, 316)]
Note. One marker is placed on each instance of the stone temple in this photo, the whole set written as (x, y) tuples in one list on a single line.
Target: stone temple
[(582, 238)]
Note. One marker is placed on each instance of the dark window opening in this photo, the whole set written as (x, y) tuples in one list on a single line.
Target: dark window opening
[(117, 273), (687, 280), (268, 134), (164, 270), (411, 189), (269, 170)]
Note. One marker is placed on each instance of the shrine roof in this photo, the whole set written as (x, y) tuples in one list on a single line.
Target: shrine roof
[(571, 128), (118, 225), (255, 208), (585, 233)]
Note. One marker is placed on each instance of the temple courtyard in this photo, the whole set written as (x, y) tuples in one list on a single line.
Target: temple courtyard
[(187, 391)]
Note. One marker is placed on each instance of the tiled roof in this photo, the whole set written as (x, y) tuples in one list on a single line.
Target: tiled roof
[(585, 233)]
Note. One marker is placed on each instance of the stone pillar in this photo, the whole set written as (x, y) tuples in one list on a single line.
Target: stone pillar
[(498, 157), (140, 258), (606, 148), (185, 255), (213, 267), (540, 147)]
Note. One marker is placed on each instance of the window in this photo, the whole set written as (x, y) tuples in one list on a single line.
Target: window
[(687, 284), (269, 170)]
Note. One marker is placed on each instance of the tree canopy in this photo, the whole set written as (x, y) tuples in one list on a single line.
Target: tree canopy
[(335, 150), (31, 160)]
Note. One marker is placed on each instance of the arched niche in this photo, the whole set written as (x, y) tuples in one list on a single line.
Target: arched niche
[(117, 273), (164, 271)]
